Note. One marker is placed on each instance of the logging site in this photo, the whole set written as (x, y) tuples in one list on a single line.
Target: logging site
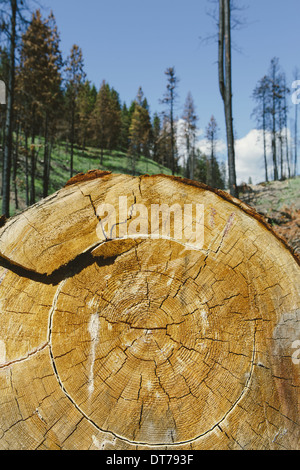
[(150, 236)]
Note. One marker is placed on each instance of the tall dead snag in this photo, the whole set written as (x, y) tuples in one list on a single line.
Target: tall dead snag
[(225, 85), (150, 341)]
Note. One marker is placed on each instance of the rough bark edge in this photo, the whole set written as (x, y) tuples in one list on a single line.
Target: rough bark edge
[(241, 205), (94, 174), (89, 176)]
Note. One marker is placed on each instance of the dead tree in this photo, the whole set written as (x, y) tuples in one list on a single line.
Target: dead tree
[(225, 84)]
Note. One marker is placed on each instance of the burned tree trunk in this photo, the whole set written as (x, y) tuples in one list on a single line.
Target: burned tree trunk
[(8, 141), (225, 85), (147, 313)]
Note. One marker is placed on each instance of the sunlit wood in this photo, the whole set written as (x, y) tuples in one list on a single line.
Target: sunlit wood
[(146, 342)]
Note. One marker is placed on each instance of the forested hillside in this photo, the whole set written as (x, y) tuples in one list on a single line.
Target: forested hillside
[(149, 227), (61, 123)]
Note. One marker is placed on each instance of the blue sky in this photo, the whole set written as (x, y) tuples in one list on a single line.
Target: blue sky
[(131, 43)]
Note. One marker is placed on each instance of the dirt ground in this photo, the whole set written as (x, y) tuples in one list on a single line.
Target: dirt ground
[(279, 203)]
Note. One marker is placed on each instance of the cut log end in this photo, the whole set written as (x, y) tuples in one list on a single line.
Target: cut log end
[(147, 313)]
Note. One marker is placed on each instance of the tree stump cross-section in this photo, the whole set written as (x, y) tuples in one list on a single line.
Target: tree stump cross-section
[(147, 313)]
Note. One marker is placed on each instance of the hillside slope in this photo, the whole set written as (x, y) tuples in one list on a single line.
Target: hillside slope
[(279, 203), (84, 160)]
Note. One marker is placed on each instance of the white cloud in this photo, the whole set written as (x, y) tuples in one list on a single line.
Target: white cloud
[(202, 143), (250, 156), (204, 146)]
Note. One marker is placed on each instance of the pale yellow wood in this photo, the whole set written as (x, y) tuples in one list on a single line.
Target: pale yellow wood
[(144, 342)]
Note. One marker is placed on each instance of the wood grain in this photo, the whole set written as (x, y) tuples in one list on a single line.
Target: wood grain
[(144, 342)]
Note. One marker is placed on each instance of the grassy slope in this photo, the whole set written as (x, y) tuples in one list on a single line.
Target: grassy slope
[(89, 159), (276, 196), (114, 161), (279, 202)]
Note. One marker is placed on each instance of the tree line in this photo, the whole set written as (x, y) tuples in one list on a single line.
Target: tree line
[(271, 114)]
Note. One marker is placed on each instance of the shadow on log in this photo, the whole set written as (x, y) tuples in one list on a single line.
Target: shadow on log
[(147, 313)]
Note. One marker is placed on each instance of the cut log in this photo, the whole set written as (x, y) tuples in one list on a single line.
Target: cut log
[(147, 313)]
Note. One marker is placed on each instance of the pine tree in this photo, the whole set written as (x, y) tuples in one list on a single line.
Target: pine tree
[(52, 94), (285, 124), (8, 141), (169, 100), (261, 113), (125, 125), (203, 173), (86, 103), (4, 72), (100, 119), (211, 136), (39, 81), (135, 134), (140, 129), (115, 125), (282, 125), (201, 166), (106, 119), (156, 135), (278, 114), (274, 93), (270, 95), (190, 126), (165, 143), (75, 78)]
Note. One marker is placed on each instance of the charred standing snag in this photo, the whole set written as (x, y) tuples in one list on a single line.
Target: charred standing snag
[(147, 313)]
